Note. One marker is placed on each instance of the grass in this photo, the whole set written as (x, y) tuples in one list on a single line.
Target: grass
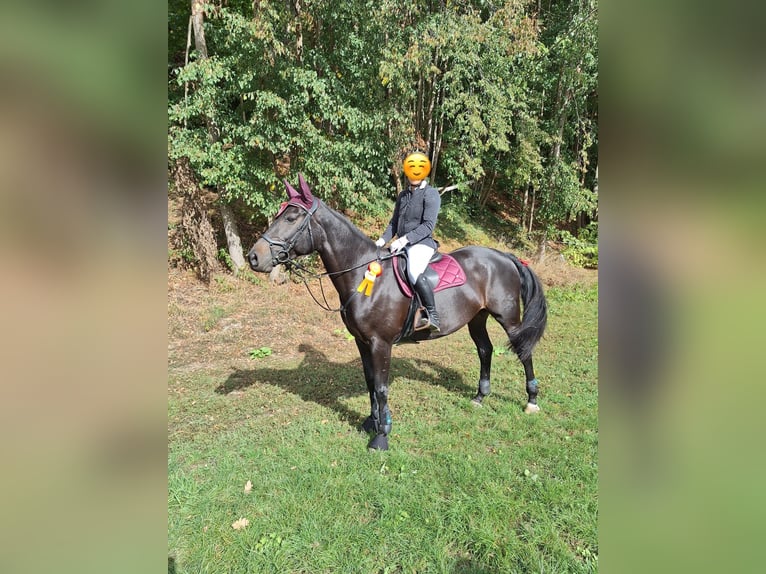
[(463, 489), (212, 317)]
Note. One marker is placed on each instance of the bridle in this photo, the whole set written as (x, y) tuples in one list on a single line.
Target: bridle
[(282, 256)]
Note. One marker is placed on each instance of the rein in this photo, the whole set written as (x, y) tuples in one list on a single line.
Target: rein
[(283, 257), (303, 273)]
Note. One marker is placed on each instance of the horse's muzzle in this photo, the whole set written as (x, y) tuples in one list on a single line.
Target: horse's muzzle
[(252, 259), (259, 257)]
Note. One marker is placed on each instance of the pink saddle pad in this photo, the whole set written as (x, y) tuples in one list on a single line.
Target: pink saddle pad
[(450, 273)]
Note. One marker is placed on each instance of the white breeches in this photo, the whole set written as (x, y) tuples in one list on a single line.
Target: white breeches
[(419, 255)]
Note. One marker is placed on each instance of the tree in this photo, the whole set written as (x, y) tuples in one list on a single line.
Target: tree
[(502, 96), (229, 222), (569, 73), (454, 85)]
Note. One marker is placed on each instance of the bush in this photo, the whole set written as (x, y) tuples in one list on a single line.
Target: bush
[(581, 251)]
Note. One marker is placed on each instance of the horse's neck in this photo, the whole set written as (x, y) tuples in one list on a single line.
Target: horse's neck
[(343, 247)]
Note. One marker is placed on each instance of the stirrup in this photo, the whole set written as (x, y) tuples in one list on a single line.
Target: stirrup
[(424, 322)]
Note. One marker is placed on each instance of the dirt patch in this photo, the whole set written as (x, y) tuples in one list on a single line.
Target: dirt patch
[(554, 271), (222, 323)]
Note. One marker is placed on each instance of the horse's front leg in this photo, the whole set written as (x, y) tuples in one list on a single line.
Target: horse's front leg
[(364, 351), (376, 359)]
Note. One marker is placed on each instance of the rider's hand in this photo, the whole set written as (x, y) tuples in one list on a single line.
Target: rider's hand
[(380, 242), (399, 244)]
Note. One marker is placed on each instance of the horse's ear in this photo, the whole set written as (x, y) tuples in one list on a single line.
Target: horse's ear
[(305, 191), (291, 193)]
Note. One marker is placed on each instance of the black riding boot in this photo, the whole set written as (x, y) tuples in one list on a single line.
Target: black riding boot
[(426, 294)]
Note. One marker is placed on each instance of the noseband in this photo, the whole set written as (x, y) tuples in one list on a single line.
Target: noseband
[(282, 256)]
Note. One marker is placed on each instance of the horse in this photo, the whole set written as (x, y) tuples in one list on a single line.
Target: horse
[(497, 284)]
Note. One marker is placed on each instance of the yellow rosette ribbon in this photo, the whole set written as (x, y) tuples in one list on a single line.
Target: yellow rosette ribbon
[(373, 270)]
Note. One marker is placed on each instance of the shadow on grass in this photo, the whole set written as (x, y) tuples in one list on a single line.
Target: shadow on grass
[(322, 381)]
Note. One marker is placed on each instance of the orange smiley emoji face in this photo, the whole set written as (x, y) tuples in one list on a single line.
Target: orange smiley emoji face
[(416, 166)]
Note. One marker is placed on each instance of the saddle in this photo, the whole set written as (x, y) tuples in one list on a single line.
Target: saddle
[(443, 272)]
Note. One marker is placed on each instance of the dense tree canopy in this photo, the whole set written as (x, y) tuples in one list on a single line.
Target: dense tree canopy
[(501, 95)]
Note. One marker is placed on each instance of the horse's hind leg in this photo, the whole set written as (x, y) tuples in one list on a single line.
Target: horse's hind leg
[(529, 373), (529, 370), (477, 327)]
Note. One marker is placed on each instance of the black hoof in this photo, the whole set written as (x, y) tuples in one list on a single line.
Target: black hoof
[(368, 425), (379, 442)]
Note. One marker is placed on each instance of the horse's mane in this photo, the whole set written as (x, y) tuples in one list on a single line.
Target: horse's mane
[(350, 231)]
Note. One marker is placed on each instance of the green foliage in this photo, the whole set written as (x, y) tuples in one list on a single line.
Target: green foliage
[(223, 256), (212, 317), (502, 95), (581, 251), (185, 254), (468, 64), (562, 197), (260, 353), (267, 108), (223, 284), (343, 333)]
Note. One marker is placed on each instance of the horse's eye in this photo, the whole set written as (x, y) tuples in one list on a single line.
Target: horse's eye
[(291, 218)]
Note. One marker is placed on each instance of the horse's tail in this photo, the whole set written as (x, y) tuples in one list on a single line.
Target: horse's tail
[(524, 338)]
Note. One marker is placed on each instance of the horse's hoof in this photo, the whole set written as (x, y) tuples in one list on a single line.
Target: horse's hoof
[(531, 408), (379, 442), (368, 425), (476, 401)]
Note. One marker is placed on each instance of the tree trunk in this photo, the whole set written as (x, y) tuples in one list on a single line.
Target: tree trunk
[(438, 132), (525, 205), (278, 275), (396, 171), (486, 190), (562, 100), (233, 241), (232, 238), (295, 6), (595, 181), (196, 231), (229, 224), (432, 96), (541, 245), (198, 20)]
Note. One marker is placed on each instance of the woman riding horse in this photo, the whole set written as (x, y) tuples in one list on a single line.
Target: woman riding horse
[(413, 222), (497, 284)]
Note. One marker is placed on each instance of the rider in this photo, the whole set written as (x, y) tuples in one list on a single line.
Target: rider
[(413, 222)]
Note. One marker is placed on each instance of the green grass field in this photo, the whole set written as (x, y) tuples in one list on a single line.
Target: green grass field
[(463, 489)]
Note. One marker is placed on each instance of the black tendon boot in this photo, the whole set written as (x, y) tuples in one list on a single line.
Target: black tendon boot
[(426, 294)]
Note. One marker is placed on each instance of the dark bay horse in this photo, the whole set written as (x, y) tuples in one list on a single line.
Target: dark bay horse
[(497, 284)]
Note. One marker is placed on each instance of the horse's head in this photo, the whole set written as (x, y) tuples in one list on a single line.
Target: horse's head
[(290, 235)]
